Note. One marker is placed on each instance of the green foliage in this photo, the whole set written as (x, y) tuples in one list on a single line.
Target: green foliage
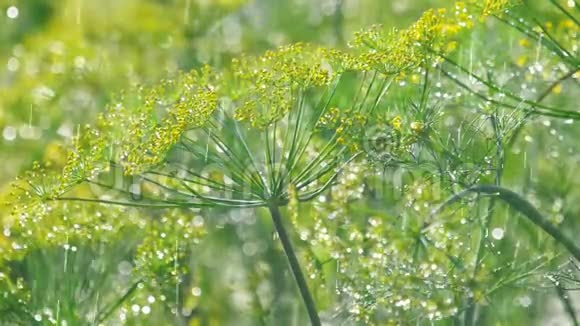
[(390, 157)]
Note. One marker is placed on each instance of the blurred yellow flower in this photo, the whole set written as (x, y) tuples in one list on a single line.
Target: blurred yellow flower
[(397, 122)]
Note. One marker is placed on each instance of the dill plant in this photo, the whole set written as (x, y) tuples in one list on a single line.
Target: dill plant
[(474, 151), (318, 130)]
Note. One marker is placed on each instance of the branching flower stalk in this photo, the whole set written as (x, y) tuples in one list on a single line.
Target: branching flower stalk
[(183, 162)]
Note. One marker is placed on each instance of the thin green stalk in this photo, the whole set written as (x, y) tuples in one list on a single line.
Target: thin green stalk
[(470, 316), (562, 9), (294, 265), (568, 305), (103, 315)]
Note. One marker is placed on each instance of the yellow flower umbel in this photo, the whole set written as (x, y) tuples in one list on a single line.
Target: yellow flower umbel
[(264, 87), (397, 51)]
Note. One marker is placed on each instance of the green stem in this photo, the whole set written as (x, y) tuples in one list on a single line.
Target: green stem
[(521, 205), (568, 305), (104, 315), (294, 265), (470, 316)]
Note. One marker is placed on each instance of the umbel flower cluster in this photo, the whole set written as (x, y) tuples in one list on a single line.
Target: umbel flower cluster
[(314, 131), (139, 129)]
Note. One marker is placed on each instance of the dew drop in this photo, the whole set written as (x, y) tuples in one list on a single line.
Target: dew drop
[(146, 310), (12, 12), (497, 233), (13, 64), (9, 133)]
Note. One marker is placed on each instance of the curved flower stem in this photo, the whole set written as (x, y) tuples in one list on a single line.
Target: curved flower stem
[(521, 205), (294, 265)]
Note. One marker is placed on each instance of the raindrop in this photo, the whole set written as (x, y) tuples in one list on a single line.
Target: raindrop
[(125, 268), (525, 301), (249, 248), (29, 132), (80, 62), (42, 93), (497, 233), (57, 47), (13, 64), (12, 12), (196, 291), (65, 130), (547, 123), (198, 221), (9, 133)]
